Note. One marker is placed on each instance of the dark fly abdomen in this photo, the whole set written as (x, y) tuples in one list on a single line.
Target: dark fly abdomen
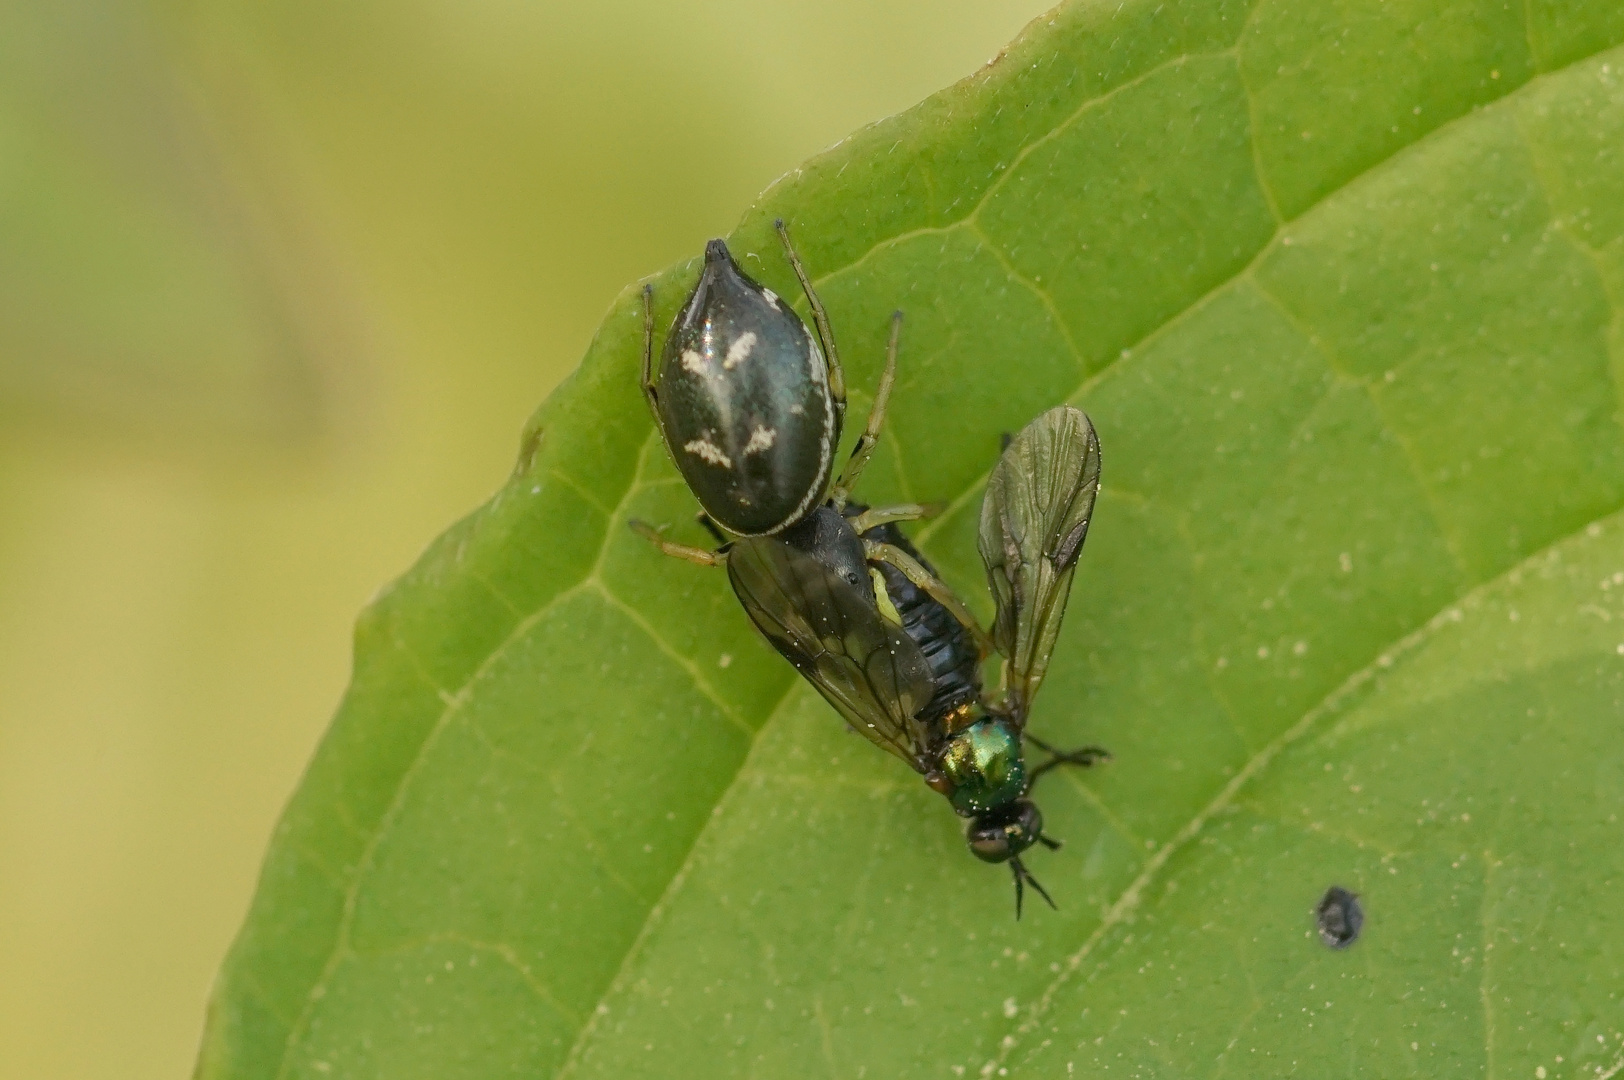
[(955, 663)]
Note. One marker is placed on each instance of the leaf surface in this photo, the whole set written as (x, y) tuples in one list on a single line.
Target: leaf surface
[(1340, 286)]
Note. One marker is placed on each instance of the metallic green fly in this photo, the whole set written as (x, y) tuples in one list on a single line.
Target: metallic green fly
[(872, 632)]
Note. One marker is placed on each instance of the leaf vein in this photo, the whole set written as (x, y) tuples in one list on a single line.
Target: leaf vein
[(1198, 635), (560, 806), (1452, 542), (1014, 164), (672, 887), (364, 864), (700, 682), (1269, 199), (1528, 34), (1037, 290), (501, 950), (1101, 807)]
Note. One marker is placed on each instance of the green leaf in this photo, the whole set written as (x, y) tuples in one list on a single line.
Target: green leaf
[(1340, 285)]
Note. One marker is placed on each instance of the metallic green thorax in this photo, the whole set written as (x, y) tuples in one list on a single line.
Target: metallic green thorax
[(986, 766)]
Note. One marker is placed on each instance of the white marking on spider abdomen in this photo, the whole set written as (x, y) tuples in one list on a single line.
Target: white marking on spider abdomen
[(693, 361), (708, 452), (820, 385), (771, 297), (814, 355), (762, 438), (739, 351)]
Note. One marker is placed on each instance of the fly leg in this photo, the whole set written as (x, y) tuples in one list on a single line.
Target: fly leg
[(1082, 757), (820, 320), (1023, 877), (875, 551), (679, 551), (876, 420)]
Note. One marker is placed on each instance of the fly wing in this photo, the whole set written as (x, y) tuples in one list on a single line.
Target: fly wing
[(865, 666), (1034, 518)]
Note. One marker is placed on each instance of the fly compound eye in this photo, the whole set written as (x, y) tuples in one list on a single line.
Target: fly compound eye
[(989, 840), (1006, 832)]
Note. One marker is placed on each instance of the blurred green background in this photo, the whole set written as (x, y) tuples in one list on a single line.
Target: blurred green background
[(279, 284)]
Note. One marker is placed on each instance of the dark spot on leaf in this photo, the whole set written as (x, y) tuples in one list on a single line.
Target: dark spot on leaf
[(1339, 917)]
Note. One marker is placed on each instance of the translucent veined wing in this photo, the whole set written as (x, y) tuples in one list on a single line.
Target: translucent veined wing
[(1034, 518), (865, 666)]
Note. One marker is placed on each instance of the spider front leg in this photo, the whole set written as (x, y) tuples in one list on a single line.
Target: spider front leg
[(820, 322), (876, 420), (679, 551)]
